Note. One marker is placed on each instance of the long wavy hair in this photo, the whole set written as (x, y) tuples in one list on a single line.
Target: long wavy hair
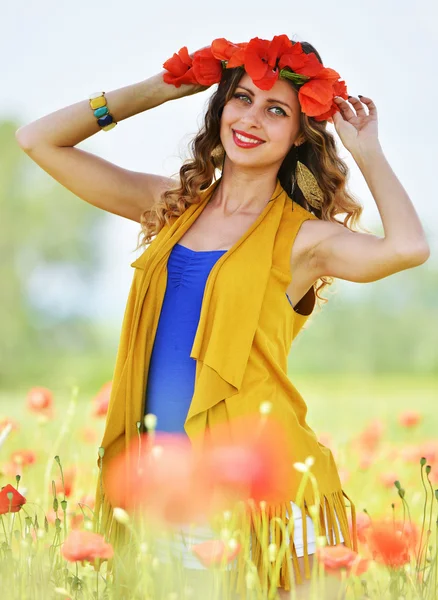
[(197, 173)]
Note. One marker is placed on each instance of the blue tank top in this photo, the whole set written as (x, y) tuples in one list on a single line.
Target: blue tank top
[(171, 376)]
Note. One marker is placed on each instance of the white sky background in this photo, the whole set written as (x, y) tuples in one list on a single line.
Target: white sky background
[(57, 53)]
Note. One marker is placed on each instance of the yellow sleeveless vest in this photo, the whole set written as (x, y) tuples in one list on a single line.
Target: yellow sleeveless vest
[(245, 332)]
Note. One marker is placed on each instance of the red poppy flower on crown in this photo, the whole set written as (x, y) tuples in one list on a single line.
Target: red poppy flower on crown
[(265, 62)]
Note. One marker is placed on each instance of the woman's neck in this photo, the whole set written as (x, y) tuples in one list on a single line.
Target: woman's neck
[(243, 192)]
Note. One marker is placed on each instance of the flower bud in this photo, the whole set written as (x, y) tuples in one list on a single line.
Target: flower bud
[(301, 467), (121, 515), (150, 422), (265, 408)]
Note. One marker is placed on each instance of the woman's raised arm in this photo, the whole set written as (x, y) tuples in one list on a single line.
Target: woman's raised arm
[(50, 140)]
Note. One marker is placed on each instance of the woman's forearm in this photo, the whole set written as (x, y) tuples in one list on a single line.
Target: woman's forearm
[(75, 123), (401, 224)]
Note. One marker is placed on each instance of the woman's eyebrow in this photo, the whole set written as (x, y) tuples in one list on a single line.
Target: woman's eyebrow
[(268, 99)]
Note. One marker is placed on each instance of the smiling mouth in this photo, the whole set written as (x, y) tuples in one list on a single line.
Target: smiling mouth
[(246, 142)]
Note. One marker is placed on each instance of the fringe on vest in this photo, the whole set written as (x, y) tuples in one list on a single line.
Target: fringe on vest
[(262, 528)]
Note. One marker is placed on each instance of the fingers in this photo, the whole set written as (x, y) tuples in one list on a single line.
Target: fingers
[(369, 103), (344, 107), (357, 104)]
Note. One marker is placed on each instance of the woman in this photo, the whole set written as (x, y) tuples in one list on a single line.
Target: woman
[(214, 307)]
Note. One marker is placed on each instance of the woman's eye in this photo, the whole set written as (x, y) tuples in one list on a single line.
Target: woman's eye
[(240, 96), (282, 112)]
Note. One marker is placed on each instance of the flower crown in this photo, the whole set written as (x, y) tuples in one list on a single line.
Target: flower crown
[(264, 61)]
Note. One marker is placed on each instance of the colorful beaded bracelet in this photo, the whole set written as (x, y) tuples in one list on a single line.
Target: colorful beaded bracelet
[(100, 109)]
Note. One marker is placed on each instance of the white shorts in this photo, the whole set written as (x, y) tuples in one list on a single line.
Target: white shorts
[(185, 537)]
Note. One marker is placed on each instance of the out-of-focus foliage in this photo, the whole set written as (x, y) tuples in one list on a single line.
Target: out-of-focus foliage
[(387, 326), (49, 249)]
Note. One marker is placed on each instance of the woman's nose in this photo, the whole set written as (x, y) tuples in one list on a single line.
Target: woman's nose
[(252, 116)]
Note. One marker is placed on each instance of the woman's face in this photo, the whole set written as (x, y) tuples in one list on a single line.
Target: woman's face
[(273, 116)]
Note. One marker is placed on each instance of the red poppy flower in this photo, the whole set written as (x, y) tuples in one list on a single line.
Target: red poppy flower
[(409, 418), (335, 558), (40, 400), (179, 68), (13, 505), (392, 543), (370, 437), (214, 553), (23, 457), (299, 62), (206, 68), (251, 460), (162, 477), (77, 520), (101, 400), (233, 54), (69, 478), (261, 58), (86, 546), (316, 96), (339, 89)]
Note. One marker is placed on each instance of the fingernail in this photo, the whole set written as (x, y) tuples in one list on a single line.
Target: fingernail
[(359, 96)]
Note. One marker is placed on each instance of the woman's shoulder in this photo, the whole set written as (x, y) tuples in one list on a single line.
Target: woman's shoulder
[(299, 211)]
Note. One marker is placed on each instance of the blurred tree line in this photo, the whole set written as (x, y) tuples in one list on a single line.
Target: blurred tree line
[(48, 234)]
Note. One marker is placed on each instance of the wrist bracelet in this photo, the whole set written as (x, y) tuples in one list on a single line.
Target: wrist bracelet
[(100, 109)]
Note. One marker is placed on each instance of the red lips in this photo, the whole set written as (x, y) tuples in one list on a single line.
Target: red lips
[(248, 135)]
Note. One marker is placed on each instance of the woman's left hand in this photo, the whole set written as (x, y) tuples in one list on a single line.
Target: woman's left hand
[(357, 130)]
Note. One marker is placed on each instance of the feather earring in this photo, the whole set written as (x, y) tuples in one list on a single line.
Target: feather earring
[(308, 185)]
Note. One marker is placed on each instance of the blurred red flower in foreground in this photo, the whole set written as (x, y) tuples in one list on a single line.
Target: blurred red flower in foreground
[(10, 505), (162, 477), (409, 418), (101, 400), (170, 481), (392, 543), (40, 400), (86, 545), (214, 553), (339, 557), (251, 461)]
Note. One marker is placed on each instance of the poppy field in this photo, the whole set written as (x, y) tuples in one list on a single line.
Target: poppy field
[(52, 544)]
